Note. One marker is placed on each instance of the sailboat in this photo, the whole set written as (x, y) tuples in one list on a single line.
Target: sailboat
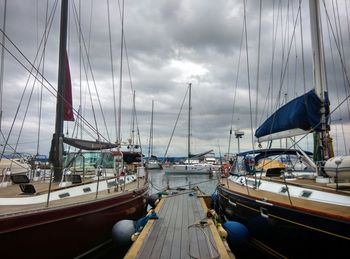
[(192, 165), (65, 216), (152, 161), (293, 205)]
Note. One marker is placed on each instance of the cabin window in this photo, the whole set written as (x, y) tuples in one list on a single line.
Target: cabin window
[(306, 194), (284, 189), (254, 183), (87, 189), (63, 195)]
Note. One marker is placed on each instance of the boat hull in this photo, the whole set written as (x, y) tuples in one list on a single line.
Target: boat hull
[(151, 166), (68, 231), (286, 231), (188, 169)]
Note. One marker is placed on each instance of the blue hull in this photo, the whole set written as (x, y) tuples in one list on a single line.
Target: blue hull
[(285, 231)]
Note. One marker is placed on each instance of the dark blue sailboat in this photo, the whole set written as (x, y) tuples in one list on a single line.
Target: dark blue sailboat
[(293, 206)]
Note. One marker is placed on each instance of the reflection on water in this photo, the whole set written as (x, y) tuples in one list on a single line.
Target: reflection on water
[(159, 181)]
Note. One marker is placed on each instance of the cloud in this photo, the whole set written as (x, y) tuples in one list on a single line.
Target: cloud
[(168, 45)]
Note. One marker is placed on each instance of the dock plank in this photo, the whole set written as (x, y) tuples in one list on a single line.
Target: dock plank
[(153, 243), (178, 232), (184, 253), (193, 249), (169, 236), (158, 247), (176, 242)]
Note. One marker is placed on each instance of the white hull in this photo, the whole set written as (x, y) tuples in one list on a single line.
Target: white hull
[(153, 165), (15, 166), (188, 169), (73, 191)]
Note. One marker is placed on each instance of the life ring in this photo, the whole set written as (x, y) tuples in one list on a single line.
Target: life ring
[(226, 170)]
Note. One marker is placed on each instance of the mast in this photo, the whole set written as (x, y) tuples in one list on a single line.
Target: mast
[(319, 72), (121, 77), (2, 60), (150, 145), (56, 157), (189, 122), (133, 122)]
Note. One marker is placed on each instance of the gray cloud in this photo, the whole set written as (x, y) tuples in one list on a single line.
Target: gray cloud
[(170, 44)]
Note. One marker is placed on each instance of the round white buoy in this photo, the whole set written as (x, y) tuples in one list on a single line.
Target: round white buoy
[(122, 232)]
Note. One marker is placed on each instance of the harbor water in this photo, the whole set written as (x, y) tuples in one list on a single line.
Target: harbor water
[(160, 181)]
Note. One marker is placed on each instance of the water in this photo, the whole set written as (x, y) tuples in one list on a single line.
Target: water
[(159, 181)]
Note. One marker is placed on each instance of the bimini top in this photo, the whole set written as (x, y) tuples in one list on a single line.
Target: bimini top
[(302, 113), (261, 153)]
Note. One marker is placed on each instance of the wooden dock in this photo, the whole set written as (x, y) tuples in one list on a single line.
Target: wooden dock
[(182, 230)]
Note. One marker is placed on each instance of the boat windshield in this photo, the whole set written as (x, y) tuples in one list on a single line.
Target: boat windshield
[(257, 162)]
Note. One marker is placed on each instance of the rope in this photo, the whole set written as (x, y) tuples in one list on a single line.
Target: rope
[(201, 225)]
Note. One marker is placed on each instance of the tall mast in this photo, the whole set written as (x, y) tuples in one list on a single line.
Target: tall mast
[(121, 76), (57, 142), (189, 121), (319, 69), (150, 148), (317, 48), (2, 60)]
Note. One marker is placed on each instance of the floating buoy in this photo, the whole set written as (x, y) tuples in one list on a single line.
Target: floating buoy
[(122, 232), (237, 233)]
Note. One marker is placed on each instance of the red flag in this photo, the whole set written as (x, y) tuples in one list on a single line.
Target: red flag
[(68, 103)]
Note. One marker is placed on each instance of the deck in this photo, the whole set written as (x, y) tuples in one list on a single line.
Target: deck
[(182, 231)]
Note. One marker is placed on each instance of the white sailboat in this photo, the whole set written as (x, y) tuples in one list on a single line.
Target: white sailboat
[(193, 164), (152, 161), (65, 215)]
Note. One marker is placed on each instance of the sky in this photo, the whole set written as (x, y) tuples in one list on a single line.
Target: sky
[(237, 77)]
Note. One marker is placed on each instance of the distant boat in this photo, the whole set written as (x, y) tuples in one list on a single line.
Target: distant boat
[(64, 216), (192, 165), (293, 206), (9, 166), (152, 161)]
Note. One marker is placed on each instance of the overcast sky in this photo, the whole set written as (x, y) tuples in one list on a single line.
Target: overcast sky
[(170, 44)]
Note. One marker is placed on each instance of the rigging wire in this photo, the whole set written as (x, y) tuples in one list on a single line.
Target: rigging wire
[(271, 77), (258, 68), (340, 39), (93, 79), (49, 87), (30, 73), (121, 72), (121, 14), (336, 81), (2, 61), (337, 47), (248, 73), (42, 80), (112, 66), (177, 119), (236, 86)]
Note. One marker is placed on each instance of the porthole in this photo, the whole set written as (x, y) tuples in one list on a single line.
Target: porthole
[(63, 195), (306, 194)]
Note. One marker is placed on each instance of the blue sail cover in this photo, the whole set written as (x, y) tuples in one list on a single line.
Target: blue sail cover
[(302, 112)]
